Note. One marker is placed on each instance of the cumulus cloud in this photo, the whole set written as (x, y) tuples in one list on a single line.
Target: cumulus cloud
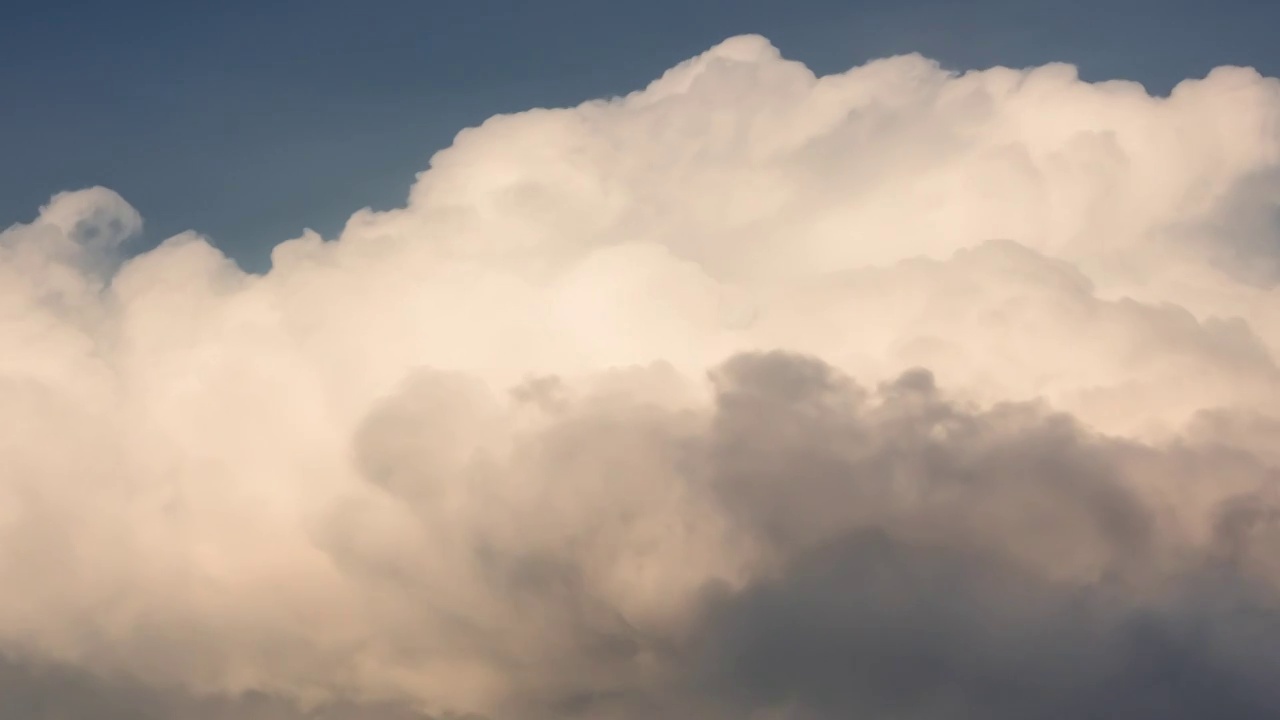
[(896, 392)]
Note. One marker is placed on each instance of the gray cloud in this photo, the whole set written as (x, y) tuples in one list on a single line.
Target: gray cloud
[(899, 554), (920, 603), (42, 692), (801, 547)]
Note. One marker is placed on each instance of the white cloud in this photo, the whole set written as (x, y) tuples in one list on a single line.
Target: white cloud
[(317, 480)]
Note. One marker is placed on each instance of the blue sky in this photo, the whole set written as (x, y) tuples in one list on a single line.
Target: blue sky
[(249, 121)]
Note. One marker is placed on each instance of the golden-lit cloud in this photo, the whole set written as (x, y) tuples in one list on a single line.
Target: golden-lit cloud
[(748, 394)]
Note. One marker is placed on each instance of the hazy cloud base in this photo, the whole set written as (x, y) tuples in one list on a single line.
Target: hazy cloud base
[(625, 414)]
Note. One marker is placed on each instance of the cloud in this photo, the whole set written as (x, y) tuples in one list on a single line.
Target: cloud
[(749, 394), (33, 691), (1006, 563)]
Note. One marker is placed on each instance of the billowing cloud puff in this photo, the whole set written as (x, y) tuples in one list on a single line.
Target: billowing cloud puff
[(750, 394)]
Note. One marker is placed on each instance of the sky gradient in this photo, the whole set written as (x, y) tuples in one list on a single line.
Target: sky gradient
[(249, 121)]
